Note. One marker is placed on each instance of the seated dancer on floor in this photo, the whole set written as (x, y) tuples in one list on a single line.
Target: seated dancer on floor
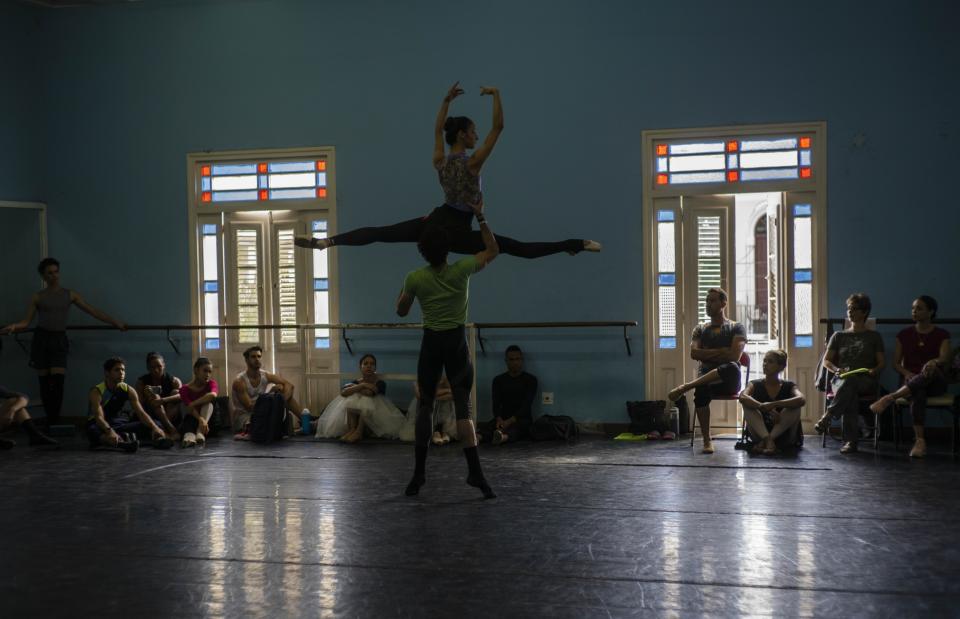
[(253, 382), (459, 173), (361, 406), (196, 401), (13, 413), (771, 407), (159, 392), (513, 393), (49, 347), (717, 344), (444, 415), (442, 290), (109, 424), (856, 348), (921, 357)]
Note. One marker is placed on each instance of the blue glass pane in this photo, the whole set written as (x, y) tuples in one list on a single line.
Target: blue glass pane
[(321, 179), (321, 284), (287, 194), (262, 182), (668, 342), (212, 343), (661, 164), (774, 144), (665, 215), (802, 276), (803, 341), (209, 228), (802, 210), (205, 183), (291, 166), (769, 174), (733, 161), (698, 177), (319, 226), (321, 342), (211, 286), (242, 168), (233, 196), (667, 279), (804, 157)]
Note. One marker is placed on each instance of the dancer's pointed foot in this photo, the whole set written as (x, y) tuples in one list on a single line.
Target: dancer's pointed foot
[(311, 243), (481, 482), (413, 488), (593, 246)]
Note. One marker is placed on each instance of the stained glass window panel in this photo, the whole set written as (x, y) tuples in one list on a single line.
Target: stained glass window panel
[(666, 248), (802, 243), (232, 183), (803, 309), (768, 175), (697, 177), (668, 311), (668, 342), (239, 168), (286, 181), (779, 144), (696, 149), (697, 163), (781, 159), (290, 166)]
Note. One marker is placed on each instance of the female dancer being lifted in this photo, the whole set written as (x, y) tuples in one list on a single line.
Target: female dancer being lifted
[(459, 174)]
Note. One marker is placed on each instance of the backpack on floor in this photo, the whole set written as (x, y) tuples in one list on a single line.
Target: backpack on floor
[(554, 428), (648, 416), (266, 422)]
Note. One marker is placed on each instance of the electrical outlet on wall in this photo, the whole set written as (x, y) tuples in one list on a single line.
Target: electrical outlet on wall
[(548, 397)]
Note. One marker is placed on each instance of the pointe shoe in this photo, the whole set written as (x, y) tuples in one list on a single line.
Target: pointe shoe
[(849, 447), (919, 449), (189, 440), (593, 246), (201, 439), (445, 437), (822, 424), (707, 447), (437, 439)]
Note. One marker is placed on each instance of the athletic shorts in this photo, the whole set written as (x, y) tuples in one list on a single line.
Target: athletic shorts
[(49, 349)]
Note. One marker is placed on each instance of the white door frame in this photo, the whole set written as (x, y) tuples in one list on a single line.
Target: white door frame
[(672, 196)]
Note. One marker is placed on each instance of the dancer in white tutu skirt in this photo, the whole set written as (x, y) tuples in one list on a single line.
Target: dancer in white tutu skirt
[(444, 415), (361, 406)]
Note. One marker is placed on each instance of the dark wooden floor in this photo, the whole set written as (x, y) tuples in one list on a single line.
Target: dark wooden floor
[(598, 529)]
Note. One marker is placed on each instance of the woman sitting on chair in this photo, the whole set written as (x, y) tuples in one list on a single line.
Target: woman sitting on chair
[(774, 399), (855, 358), (921, 358)]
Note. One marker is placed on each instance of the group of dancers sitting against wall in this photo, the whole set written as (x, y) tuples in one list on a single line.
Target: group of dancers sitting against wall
[(853, 361)]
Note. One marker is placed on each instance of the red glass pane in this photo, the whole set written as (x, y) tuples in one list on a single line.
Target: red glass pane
[(804, 142), (733, 176), (662, 179), (205, 170), (321, 166), (321, 192), (206, 196), (263, 194), (805, 173), (661, 149), (733, 146), (262, 168)]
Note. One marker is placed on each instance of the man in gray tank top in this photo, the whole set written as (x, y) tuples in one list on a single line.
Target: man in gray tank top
[(48, 350), (250, 385)]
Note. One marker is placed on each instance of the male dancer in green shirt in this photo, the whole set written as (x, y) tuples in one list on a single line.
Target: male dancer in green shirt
[(442, 290)]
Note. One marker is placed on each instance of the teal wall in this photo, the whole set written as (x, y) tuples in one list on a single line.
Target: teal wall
[(128, 90)]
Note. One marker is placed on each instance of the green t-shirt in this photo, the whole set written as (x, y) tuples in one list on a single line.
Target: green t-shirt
[(442, 294)]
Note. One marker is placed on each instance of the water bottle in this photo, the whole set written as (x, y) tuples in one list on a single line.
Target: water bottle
[(305, 421), (674, 413)]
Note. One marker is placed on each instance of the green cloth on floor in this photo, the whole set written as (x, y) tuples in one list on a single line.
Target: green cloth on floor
[(630, 436)]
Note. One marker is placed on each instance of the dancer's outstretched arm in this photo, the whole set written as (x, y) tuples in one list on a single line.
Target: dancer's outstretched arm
[(438, 152), (480, 155), (23, 324)]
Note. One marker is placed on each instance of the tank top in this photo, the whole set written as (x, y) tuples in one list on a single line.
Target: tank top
[(52, 309), (112, 400), (460, 187), (252, 392)]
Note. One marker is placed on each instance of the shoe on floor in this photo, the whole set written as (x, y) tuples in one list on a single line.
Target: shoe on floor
[(201, 439), (436, 439), (164, 442), (919, 449), (707, 447), (849, 447), (497, 437), (189, 440)]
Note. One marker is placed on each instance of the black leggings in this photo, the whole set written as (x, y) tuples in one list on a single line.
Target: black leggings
[(463, 239), (442, 351)]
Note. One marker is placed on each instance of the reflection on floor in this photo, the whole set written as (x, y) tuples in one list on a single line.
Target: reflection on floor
[(599, 528)]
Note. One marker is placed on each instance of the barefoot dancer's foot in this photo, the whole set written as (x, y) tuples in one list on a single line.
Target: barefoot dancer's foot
[(881, 405)]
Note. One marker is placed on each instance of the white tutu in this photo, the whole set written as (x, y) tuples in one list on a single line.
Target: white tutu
[(379, 415), (444, 415)]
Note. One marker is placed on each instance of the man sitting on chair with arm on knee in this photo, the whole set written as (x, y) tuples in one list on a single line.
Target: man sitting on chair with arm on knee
[(717, 345)]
